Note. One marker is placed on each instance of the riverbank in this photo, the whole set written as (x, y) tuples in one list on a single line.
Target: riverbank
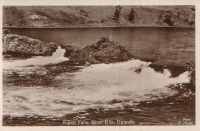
[(82, 27), (108, 16)]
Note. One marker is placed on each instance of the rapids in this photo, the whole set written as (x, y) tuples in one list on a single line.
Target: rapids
[(96, 86)]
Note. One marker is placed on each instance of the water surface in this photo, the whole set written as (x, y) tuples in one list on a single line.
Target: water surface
[(164, 45), (130, 90)]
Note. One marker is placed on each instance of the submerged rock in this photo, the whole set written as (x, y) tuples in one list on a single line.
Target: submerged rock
[(103, 51), (17, 45)]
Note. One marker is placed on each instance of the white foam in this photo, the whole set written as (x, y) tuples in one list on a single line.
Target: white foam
[(92, 87), (57, 57)]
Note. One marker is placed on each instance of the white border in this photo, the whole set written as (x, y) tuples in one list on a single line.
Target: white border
[(99, 3)]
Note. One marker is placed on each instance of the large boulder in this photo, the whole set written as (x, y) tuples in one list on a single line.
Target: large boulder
[(16, 45), (103, 51)]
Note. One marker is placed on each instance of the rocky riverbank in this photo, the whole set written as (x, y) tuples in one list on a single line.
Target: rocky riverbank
[(23, 46)]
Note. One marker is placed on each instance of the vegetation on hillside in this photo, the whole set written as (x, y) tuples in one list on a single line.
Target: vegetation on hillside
[(117, 13), (131, 15), (98, 16)]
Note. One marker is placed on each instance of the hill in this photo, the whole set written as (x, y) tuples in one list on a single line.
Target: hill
[(97, 16)]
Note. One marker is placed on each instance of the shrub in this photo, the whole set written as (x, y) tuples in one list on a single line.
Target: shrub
[(131, 15), (169, 21), (117, 13)]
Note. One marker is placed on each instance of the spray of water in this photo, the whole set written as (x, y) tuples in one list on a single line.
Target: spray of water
[(93, 87), (57, 57)]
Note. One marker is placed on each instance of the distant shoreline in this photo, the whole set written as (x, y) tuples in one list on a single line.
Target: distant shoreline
[(70, 27)]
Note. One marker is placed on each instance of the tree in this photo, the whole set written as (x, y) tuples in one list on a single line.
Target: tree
[(117, 13), (131, 15), (168, 20)]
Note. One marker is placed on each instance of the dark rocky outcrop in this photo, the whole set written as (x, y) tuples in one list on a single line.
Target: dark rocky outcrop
[(69, 49), (103, 51), (190, 66), (177, 70), (16, 45)]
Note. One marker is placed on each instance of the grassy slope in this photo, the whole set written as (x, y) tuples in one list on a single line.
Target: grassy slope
[(95, 16)]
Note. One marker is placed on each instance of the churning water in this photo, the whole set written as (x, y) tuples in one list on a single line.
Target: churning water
[(96, 86), (57, 56)]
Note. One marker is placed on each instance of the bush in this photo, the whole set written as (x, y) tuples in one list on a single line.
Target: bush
[(117, 13), (191, 23), (131, 15), (169, 21)]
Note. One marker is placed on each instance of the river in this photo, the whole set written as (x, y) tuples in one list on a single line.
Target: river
[(164, 45), (103, 91)]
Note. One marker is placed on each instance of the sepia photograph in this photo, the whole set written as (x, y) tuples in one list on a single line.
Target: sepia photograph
[(115, 65)]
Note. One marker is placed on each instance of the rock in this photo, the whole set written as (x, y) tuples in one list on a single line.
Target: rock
[(190, 66), (69, 49), (87, 63), (16, 45), (103, 51)]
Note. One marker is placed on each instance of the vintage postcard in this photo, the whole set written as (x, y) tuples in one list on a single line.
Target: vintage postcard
[(99, 65)]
